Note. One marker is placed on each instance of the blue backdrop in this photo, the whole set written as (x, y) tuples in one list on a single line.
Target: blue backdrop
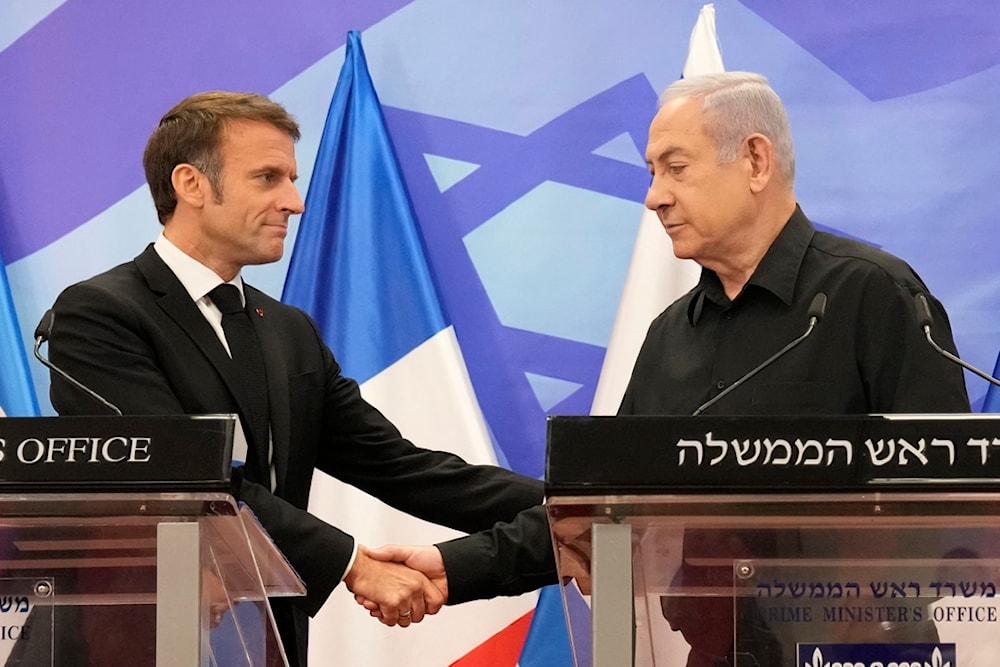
[(520, 128)]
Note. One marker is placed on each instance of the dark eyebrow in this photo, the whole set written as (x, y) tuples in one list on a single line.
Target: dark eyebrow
[(272, 169)]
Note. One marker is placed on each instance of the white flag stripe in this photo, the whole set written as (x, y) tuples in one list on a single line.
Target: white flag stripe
[(655, 276), (704, 55), (428, 395)]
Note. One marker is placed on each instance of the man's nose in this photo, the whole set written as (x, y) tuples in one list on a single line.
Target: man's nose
[(658, 194), (291, 201)]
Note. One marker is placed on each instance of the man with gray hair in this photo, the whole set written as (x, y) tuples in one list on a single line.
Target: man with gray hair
[(723, 168)]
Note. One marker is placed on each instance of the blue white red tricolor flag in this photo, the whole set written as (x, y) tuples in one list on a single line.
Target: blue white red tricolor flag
[(359, 268)]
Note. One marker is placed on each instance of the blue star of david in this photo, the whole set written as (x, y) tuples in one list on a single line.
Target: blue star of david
[(499, 356), (502, 359)]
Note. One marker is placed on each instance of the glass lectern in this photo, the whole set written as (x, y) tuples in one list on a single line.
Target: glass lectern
[(774, 542), (120, 544)]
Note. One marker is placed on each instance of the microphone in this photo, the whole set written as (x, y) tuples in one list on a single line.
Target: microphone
[(817, 307), (42, 333), (924, 320)]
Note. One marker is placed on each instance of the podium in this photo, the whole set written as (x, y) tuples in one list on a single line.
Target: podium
[(778, 541), (121, 544)]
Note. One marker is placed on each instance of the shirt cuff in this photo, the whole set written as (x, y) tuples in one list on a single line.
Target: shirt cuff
[(350, 562)]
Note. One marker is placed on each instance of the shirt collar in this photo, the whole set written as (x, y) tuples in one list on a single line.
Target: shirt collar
[(198, 280), (777, 272), (779, 269)]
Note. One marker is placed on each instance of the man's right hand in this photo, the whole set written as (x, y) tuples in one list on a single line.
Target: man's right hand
[(398, 595)]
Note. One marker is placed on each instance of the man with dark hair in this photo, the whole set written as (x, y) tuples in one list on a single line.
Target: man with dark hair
[(153, 336), (192, 132)]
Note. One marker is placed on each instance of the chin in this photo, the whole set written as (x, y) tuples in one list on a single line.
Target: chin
[(680, 252), (273, 254), (681, 249), (265, 258)]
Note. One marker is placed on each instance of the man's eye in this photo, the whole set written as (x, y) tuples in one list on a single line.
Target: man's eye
[(676, 169)]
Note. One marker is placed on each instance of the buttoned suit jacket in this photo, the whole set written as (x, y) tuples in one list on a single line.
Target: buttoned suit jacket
[(135, 336)]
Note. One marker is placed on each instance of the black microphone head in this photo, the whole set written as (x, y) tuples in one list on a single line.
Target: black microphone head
[(924, 317), (44, 328), (818, 306)]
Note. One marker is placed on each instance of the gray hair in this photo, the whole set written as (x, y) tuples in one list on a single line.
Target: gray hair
[(736, 105)]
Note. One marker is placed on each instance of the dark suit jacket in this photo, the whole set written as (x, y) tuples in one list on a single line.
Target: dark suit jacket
[(134, 335)]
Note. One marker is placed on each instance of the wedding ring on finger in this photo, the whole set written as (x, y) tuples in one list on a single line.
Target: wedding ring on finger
[(406, 614)]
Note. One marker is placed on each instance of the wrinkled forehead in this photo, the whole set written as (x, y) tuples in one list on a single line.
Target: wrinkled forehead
[(678, 124)]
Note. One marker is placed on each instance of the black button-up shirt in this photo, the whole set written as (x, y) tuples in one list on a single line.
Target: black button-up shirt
[(866, 355)]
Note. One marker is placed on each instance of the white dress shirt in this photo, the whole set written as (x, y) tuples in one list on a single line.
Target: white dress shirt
[(199, 280)]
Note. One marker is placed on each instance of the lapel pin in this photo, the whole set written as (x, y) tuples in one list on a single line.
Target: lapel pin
[(260, 312)]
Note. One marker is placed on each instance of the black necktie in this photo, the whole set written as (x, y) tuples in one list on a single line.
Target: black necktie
[(247, 362)]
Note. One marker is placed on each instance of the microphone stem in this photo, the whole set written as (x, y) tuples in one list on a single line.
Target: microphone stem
[(963, 364), (73, 381), (759, 368)]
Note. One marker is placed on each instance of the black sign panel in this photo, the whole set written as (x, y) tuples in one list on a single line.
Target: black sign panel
[(614, 455), (116, 453)]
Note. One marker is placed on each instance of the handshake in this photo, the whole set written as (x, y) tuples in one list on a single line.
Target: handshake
[(399, 585)]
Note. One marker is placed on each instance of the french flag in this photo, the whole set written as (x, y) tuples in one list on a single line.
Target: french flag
[(359, 269)]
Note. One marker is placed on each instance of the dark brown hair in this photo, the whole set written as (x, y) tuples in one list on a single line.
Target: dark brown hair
[(191, 133)]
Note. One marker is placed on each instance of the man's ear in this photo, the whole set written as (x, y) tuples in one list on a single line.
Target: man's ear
[(190, 185), (760, 157)]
